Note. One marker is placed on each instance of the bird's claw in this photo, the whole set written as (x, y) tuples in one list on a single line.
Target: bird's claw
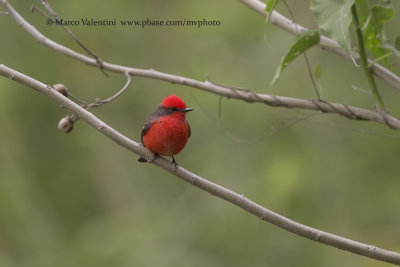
[(175, 164)]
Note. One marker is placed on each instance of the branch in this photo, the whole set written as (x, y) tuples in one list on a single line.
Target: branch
[(326, 43), (205, 185), (229, 92)]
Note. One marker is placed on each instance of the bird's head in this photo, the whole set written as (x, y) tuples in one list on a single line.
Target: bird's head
[(175, 105)]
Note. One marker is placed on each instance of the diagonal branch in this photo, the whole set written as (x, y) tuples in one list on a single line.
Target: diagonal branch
[(326, 43), (229, 92), (205, 185)]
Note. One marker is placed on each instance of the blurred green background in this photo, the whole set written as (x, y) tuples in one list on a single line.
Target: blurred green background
[(79, 199)]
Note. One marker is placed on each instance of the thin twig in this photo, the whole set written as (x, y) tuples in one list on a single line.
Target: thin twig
[(237, 199), (83, 103), (35, 8), (364, 60), (229, 92), (100, 102), (47, 5), (372, 62), (310, 73)]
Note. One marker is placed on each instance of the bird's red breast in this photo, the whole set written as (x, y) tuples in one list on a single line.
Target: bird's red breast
[(166, 131), (167, 136)]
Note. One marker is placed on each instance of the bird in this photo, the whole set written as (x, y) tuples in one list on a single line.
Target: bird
[(166, 131)]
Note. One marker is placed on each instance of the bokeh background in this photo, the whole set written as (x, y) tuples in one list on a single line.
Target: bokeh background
[(79, 199)]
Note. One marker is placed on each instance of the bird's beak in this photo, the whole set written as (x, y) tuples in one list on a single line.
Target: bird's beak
[(187, 109)]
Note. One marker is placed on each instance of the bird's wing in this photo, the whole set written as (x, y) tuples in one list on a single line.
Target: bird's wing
[(146, 128)]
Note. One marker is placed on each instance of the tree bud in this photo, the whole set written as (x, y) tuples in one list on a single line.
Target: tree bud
[(66, 124), (61, 89)]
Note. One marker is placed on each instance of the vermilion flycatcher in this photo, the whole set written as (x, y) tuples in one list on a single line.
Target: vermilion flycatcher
[(167, 131)]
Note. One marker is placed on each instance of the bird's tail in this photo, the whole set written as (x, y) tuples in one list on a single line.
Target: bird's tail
[(142, 160)]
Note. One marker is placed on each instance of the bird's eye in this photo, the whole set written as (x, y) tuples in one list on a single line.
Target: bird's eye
[(174, 108)]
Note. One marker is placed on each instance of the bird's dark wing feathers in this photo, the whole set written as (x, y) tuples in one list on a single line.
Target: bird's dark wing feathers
[(145, 128)]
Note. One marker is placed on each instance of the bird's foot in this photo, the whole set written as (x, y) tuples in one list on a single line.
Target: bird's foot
[(175, 164)]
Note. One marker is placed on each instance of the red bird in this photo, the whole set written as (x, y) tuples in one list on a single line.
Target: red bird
[(167, 131)]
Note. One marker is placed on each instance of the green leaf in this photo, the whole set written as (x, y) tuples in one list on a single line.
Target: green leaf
[(334, 17), (375, 39), (302, 43), (362, 10), (380, 15), (270, 7)]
